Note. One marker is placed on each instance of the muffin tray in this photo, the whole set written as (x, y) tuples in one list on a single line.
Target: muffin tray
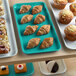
[(30, 70), (21, 28), (68, 44), (10, 32), (44, 70)]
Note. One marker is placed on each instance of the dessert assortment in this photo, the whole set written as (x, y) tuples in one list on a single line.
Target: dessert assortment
[(4, 43), (36, 31), (52, 67), (65, 18), (23, 69)]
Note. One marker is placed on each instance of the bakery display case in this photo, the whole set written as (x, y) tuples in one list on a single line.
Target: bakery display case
[(37, 34)]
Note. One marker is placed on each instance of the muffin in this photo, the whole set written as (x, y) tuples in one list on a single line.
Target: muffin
[(70, 32), (73, 8), (1, 10), (60, 4), (71, 1), (65, 16)]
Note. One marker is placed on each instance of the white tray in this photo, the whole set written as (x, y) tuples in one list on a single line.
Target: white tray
[(68, 44), (10, 31), (44, 70)]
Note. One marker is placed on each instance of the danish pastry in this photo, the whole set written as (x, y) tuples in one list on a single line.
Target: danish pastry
[(20, 68), (25, 8), (26, 18), (30, 30), (4, 47), (44, 30), (1, 10), (39, 19), (37, 9), (33, 43), (47, 42), (70, 32), (4, 70)]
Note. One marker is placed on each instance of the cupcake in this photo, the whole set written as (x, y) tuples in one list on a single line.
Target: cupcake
[(60, 4), (70, 32), (71, 1), (65, 16), (73, 8)]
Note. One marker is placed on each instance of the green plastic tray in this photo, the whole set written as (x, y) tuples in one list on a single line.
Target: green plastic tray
[(21, 28), (30, 70)]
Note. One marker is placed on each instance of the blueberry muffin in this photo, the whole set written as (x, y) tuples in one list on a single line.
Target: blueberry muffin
[(73, 8), (60, 4), (65, 16), (70, 32)]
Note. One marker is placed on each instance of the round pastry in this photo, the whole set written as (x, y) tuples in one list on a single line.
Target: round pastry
[(71, 1), (73, 8), (3, 31), (0, 2), (60, 4), (65, 16), (1, 10), (70, 32)]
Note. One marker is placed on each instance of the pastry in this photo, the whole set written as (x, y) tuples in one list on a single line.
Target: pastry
[(4, 47), (65, 16), (0, 2), (33, 43), (25, 8), (39, 19), (60, 4), (30, 30), (73, 8), (2, 22), (3, 31), (4, 70), (47, 42), (71, 1), (44, 30), (37, 9), (1, 10), (70, 32), (20, 68), (26, 18)]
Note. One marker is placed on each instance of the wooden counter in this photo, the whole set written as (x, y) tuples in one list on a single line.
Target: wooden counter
[(21, 57), (71, 68)]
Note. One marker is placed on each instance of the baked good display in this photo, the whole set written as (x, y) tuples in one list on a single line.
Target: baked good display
[(33, 43), (60, 4), (30, 30), (0, 2), (44, 30), (4, 70), (4, 47), (39, 19), (65, 16), (73, 8), (20, 68), (47, 42), (70, 32), (37, 9), (71, 1), (26, 18), (25, 8), (1, 10)]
